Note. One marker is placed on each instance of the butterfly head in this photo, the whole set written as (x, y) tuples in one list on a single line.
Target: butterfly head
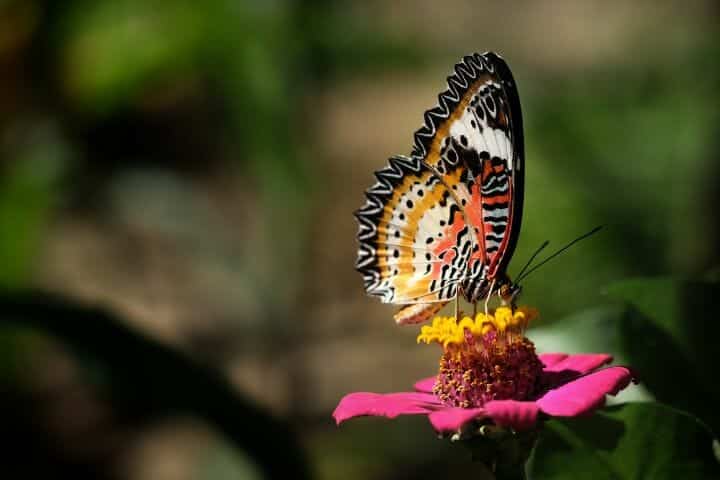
[(508, 291)]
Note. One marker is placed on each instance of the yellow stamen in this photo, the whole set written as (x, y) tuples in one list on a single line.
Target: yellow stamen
[(448, 331)]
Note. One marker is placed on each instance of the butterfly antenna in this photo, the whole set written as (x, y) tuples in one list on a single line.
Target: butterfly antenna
[(581, 237), (537, 252)]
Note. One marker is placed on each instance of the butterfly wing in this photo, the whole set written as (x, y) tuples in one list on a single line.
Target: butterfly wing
[(477, 128), (414, 242), (449, 214)]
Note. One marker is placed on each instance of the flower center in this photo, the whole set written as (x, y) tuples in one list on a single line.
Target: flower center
[(485, 359)]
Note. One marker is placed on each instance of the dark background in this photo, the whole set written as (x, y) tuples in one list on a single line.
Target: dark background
[(177, 182)]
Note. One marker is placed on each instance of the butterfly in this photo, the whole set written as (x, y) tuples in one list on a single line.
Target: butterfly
[(444, 221)]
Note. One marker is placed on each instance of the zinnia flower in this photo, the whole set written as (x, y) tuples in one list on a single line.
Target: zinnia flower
[(489, 372)]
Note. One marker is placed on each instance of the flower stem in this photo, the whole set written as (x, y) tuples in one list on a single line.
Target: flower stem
[(510, 472), (502, 453)]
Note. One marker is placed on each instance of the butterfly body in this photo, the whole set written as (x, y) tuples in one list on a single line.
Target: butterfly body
[(444, 222)]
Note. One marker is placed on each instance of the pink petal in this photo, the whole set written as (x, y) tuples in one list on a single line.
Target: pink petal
[(512, 413), (388, 405), (586, 393), (550, 359), (451, 419), (558, 371), (581, 362), (425, 385)]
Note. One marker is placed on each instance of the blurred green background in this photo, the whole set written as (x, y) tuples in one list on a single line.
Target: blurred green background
[(177, 182)]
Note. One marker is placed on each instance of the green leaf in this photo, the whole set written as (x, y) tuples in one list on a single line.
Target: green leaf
[(595, 330), (668, 334), (656, 298), (591, 330), (631, 441)]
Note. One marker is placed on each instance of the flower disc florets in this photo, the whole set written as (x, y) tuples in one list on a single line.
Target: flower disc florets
[(484, 359)]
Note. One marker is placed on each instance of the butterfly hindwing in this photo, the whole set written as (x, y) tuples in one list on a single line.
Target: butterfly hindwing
[(414, 242)]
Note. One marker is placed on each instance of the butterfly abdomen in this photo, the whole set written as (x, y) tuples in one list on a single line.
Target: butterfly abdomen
[(417, 313)]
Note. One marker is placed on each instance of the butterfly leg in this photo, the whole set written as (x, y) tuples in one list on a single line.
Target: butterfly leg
[(487, 299), (474, 310), (457, 306)]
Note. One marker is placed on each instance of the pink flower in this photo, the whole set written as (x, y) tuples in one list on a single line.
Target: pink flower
[(489, 372)]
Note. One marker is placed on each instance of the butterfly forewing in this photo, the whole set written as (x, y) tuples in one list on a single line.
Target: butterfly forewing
[(446, 219)]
